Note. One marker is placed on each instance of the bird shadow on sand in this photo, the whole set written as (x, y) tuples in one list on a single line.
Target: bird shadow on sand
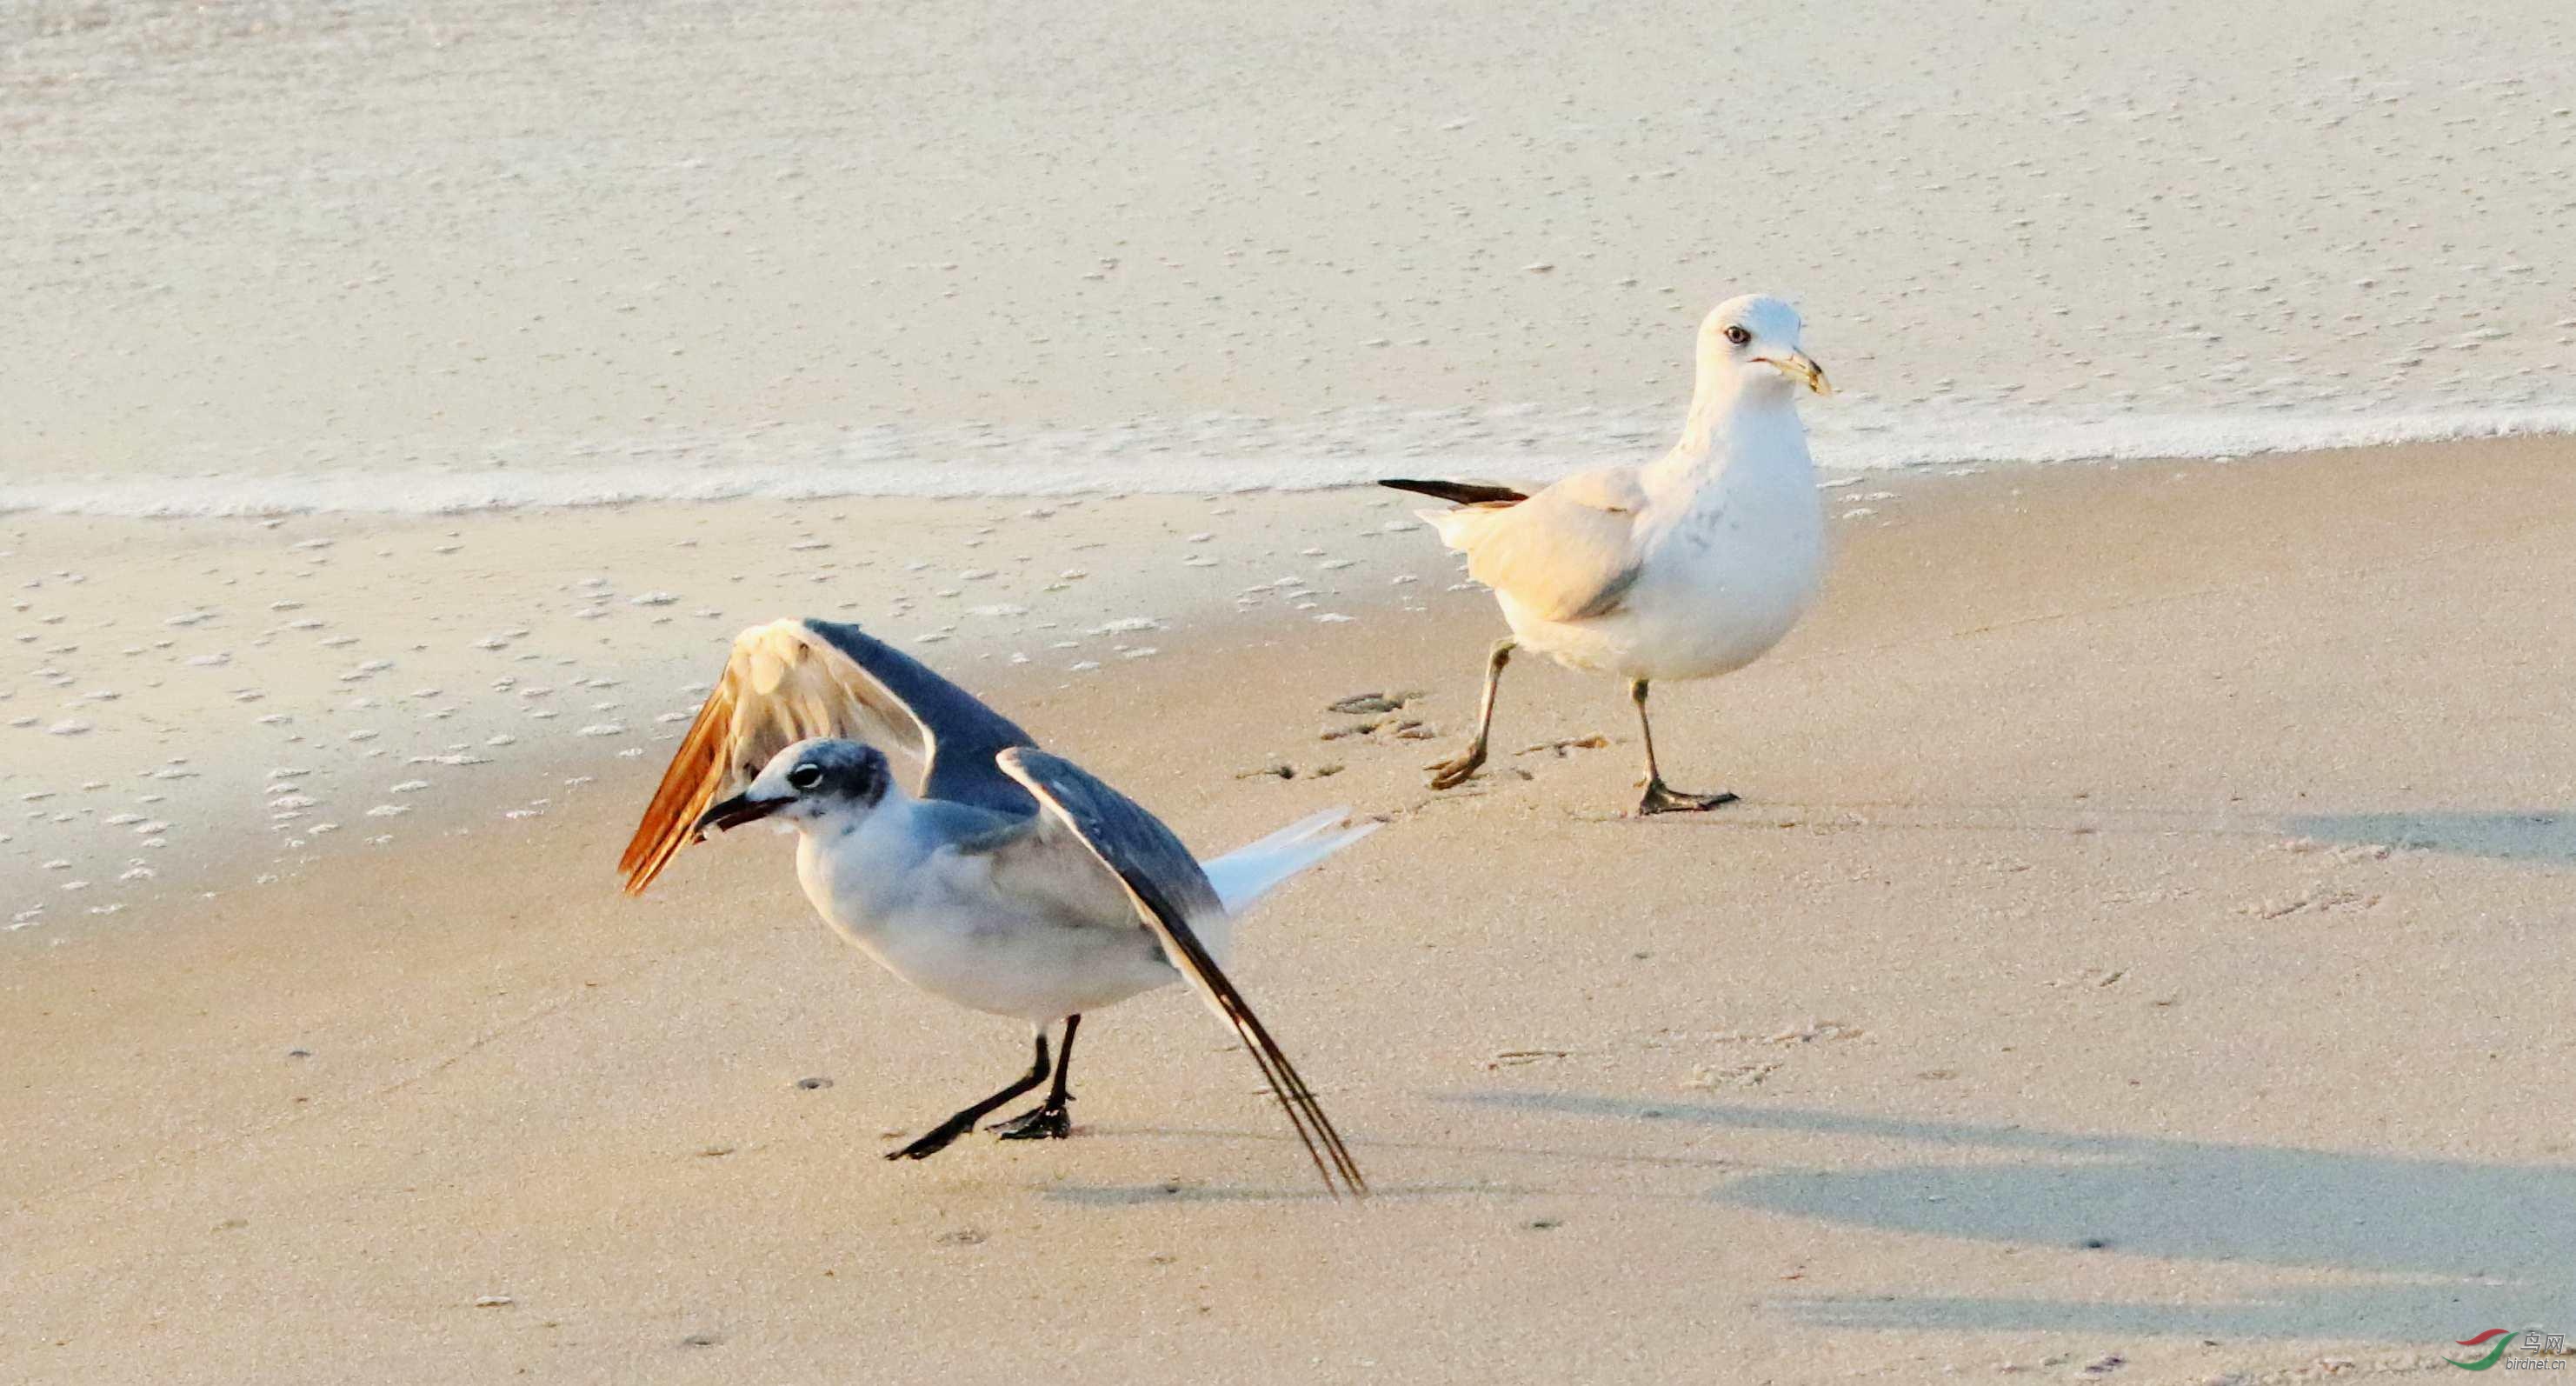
[(2521, 835), (2422, 1247), (2539, 835), (1189, 1190), (1180, 1191)]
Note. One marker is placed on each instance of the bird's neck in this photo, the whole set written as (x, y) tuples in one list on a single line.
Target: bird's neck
[(1731, 416), (853, 861)]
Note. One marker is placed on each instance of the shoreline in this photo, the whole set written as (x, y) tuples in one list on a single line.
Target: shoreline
[(1205, 455)]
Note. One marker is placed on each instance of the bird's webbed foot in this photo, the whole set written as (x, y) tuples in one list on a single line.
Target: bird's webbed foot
[(1661, 798), (1458, 769), (1048, 1122)]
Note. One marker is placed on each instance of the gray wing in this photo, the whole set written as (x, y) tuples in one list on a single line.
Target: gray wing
[(789, 680), (1169, 890), (972, 831), (959, 733)]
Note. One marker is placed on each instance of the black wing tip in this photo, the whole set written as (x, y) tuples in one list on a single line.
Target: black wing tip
[(1332, 1157), (1456, 492), (1051, 776)]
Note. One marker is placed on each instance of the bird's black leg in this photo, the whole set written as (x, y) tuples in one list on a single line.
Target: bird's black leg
[(1047, 1120), (1660, 799), (964, 1121), (1453, 772)]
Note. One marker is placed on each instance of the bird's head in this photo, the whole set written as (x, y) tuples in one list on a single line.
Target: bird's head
[(804, 782), (1752, 343)]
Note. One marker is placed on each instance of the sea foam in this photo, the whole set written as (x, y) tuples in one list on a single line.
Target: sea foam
[(1208, 455)]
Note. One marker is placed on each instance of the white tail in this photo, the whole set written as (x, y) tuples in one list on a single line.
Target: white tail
[(1247, 873), (1450, 524)]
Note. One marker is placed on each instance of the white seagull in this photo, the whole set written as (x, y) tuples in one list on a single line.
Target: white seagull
[(1687, 568), (1010, 882)]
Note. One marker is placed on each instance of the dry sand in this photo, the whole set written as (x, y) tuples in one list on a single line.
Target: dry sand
[(2142, 939)]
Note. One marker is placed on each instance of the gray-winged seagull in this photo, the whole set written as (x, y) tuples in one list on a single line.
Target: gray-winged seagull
[(1011, 881)]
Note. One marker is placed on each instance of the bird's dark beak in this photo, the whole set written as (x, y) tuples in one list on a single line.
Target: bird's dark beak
[(734, 812)]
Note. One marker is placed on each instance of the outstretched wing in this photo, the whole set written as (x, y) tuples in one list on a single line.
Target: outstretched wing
[(1169, 890), (790, 680), (956, 734), (1564, 554)]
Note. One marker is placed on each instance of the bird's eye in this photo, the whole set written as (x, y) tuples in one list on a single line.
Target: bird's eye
[(1738, 335), (805, 776)]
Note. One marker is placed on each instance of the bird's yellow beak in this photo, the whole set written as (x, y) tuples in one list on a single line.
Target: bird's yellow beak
[(1797, 366)]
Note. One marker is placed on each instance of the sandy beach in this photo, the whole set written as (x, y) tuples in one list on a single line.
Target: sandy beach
[(2138, 941), (2139, 955)]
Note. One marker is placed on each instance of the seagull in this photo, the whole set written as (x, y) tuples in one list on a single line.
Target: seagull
[(1687, 568), (1008, 880)]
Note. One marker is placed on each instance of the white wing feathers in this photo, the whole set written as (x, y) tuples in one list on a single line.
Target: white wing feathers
[(1566, 553)]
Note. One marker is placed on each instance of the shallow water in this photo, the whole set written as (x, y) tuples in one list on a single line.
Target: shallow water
[(297, 256)]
